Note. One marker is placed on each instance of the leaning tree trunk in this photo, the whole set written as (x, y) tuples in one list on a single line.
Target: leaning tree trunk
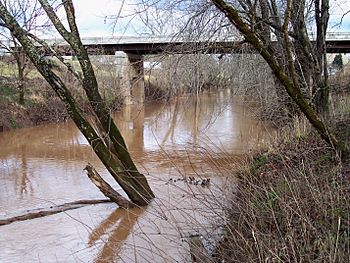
[(290, 83), (117, 160), (108, 129)]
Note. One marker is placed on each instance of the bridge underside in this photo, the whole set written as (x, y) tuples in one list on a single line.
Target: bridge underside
[(338, 46)]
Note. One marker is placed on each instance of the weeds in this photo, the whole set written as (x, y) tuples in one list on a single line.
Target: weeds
[(292, 206)]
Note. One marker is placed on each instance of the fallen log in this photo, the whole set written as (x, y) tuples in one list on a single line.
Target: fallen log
[(97, 180), (106, 189), (51, 210)]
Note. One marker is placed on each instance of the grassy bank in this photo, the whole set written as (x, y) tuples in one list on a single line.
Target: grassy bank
[(293, 204)]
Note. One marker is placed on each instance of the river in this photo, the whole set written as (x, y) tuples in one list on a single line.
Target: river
[(43, 166)]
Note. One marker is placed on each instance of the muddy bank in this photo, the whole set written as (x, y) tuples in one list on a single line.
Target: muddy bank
[(40, 105)]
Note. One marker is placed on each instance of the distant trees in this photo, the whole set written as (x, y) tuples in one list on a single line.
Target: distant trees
[(27, 13), (103, 135)]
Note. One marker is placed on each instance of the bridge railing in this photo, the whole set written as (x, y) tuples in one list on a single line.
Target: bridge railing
[(115, 40), (170, 39), (338, 36), (332, 36)]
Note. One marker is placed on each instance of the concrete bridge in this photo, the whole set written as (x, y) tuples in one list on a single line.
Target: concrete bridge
[(143, 45), (129, 52)]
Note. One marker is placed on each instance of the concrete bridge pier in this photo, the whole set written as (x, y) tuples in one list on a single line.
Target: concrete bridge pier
[(132, 126), (131, 74)]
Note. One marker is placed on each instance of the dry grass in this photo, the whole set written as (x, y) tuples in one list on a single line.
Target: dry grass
[(292, 205)]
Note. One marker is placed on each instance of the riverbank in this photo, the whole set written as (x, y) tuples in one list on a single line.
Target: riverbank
[(292, 204), (41, 104)]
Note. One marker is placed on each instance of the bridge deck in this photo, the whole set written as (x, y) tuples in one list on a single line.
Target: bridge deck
[(336, 43)]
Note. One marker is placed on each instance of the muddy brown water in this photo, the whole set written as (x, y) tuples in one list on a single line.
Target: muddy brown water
[(42, 166)]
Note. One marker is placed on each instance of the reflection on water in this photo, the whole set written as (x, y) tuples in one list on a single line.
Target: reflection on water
[(122, 222), (41, 166)]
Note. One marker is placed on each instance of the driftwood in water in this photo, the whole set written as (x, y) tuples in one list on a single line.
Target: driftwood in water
[(51, 211), (198, 252), (106, 189)]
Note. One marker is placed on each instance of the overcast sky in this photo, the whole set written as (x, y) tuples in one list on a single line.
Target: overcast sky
[(339, 12), (93, 17)]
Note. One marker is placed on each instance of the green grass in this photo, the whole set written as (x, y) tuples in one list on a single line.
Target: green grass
[(9, 94), (6, 91), (10, 70), (13, 122), (258, 162)]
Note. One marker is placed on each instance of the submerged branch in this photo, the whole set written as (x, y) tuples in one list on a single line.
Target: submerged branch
[(51, 211)]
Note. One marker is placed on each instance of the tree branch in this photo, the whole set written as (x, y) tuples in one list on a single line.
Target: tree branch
[(105, 188), (55, 20), (70, 12), (52, 52), (51, 211)]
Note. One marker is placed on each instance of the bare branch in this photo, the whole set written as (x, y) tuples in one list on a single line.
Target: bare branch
[(55, 20)]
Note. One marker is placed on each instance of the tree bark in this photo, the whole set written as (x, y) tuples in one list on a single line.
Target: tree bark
[(321, 89), (21, 85), (21, 65)]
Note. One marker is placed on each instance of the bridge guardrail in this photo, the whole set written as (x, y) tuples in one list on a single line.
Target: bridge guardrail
[(169, 39)]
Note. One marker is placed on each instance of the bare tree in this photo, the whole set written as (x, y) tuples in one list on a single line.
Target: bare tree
[(294, 34), (105, 138), (26, 13), (281, 32)]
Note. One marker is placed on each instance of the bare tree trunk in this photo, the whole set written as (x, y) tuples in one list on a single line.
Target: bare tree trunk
[(321, 89), (21, 66), (21, 87), (21, 84), (90, 86)]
